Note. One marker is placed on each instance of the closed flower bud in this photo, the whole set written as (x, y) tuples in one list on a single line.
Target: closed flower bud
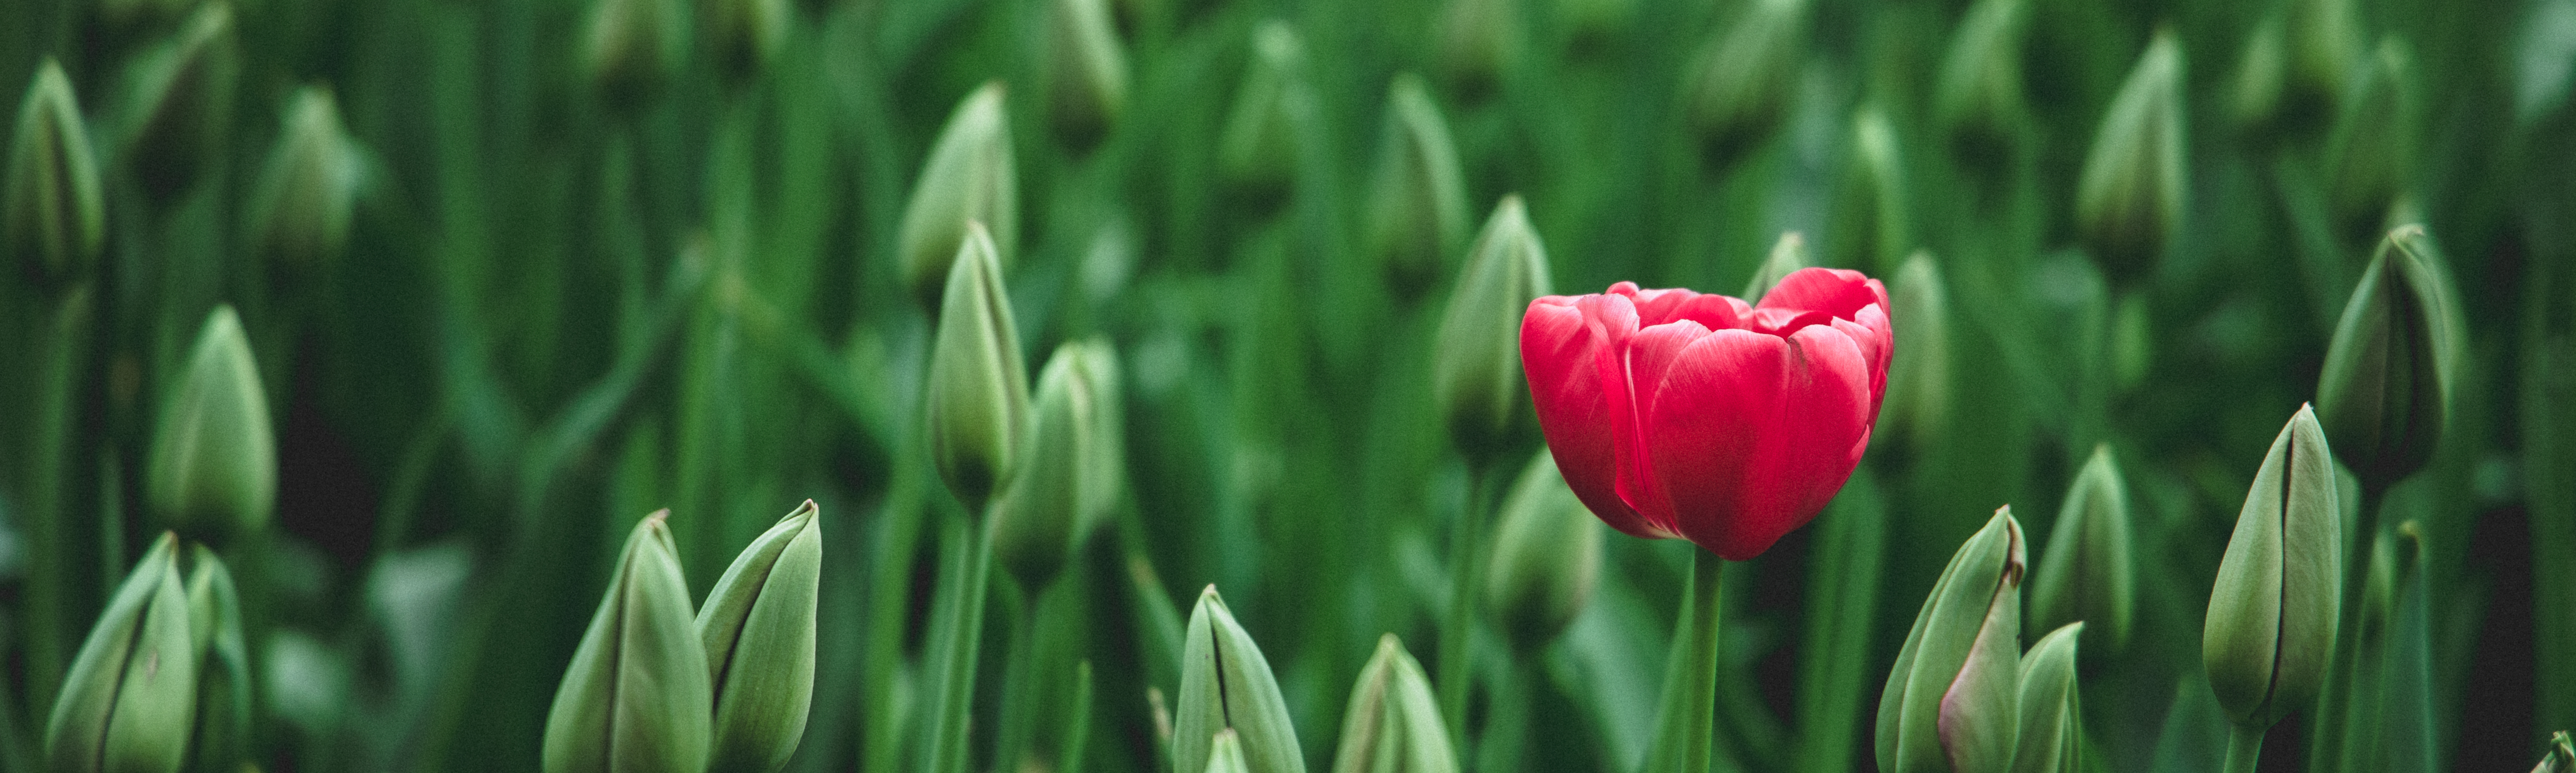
[(1478, 41), (179, 102), (223, 671), (1104, 465), (1978, 101), (977, 401), (1226, 685), (2561, 757), (2085, 574), (630, 48), (969, 178), (129, 700), (1918, 384), (1788, 254), (1392, 724), (2322, 44), (1546, 557), (51, 214), (758, 629), (1740, 83), (2254, 96), (1263, 138), (1952, 702), (2385, 392), (1476, 363), (213, 467), (2370, 154), (635, 698), (1225, 753), (1039, 519), (1872, 223), (2129, 201), (1087, 83), (300, 213), (1417, 201), (2272, 612), (742, 35), (2052, 710)]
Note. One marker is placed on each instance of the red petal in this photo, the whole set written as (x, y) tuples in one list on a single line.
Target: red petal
[(1564, 341), (1751, 434), (1839, 292), (1650, 354)]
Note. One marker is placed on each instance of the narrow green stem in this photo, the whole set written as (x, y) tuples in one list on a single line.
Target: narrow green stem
[(49, 469), (2244, 748), (1687, 727), (1507, 728), (1458, 631), (1021, 687), (957, 630)]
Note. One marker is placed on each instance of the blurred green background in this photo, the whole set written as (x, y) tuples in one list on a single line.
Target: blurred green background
[(568, 296)]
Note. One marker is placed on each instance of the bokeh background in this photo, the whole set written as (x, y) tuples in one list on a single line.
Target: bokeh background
[(568, 297)]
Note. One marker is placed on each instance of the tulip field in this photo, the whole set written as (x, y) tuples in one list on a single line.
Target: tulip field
[(1266, 386)]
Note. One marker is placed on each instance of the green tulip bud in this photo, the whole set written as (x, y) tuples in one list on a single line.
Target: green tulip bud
[(1417, 201), (630, 48), (1087, 84), (1038, 523), (2254, 99), (2129, 201), (125, 16), (758, 630), (635, 696), (1594, 26), (969, 178), (1740, 82), (2370, 154), (179, 102), (213, 467), (1257, 151), (1392, 724), (1546, 557), (129, 700), (1226, 685), (977, 401), (1478, 41), (1978, 100), (1952, 701), (1225, 753), (2272, 612), (1476, 363), (1871, 219), (2052, 711), (2086, 575), (742, 35), (1787, 256), (2386, 387), (2322, 46), (1104, 464), (223, 672), (50, 211), (1917, 406), (301, 210), (2561, 757)]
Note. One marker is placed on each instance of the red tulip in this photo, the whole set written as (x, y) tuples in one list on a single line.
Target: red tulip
[(1679, 414)]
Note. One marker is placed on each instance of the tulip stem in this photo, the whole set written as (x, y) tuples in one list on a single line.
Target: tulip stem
[(50, 516), (957, 628), (1466, 565), (2244, 748), (1687, 728)]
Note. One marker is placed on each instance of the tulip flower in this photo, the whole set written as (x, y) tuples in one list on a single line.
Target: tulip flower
[(213, 467), (2129, 201), (970, 177), (1226, 686), (2385, 394), (1676, 414), (1039, 522), (636, 698), (1417, 211), (1087, 79), (51, 213), (1871, 218), (1392, 724), (1953, 700), (223, 663), (1263, 134), (2052, 711), (1977, 100), (1917, 409), (129, 701), (2086, 575), (179, 102), (1475, 378), (977, 401), (758, 629), (1740, 83), (1546, 558), (2270, 630), (301, 211)]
